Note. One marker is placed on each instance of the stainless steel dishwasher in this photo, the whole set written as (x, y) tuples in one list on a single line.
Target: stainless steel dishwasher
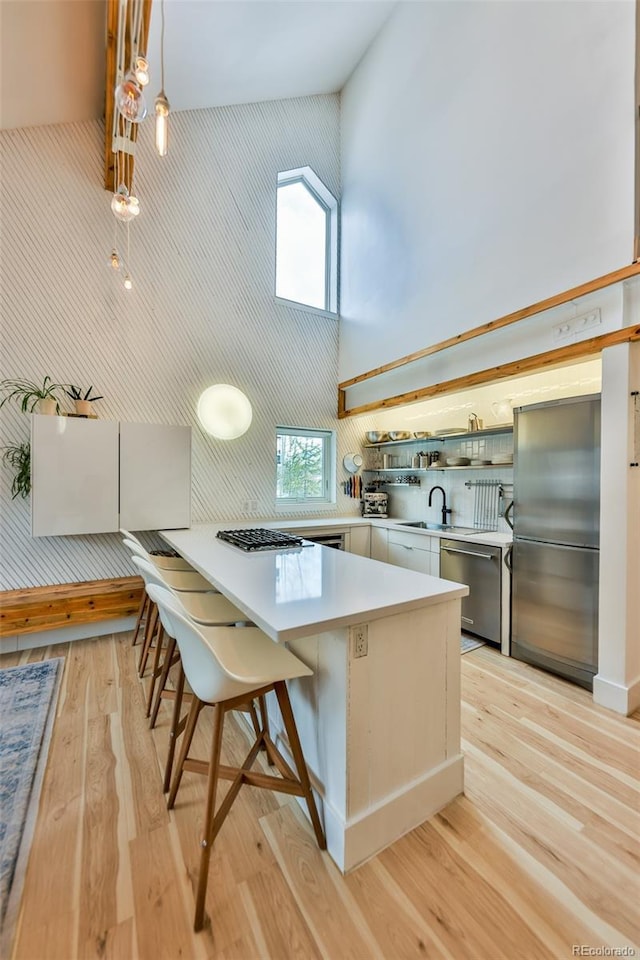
[(479, 566)]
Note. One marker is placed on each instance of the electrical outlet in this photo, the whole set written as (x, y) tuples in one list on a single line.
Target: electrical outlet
[(360, 640), (249, 506)]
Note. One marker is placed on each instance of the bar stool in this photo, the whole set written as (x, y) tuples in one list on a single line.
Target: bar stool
[(165, 560), (169, 563), (179, 580), (225, 667), (211, 608)]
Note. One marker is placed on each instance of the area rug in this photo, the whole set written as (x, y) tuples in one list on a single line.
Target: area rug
[(469, 643), (28, 697)]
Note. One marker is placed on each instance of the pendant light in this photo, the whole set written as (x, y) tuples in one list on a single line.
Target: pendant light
[(130, 99), (162, 104)]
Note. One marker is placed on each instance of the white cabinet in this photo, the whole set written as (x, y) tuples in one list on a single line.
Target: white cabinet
[(74, 476), (415, 551), (95, 476), (360, 540), (155, 476), (379, 544)]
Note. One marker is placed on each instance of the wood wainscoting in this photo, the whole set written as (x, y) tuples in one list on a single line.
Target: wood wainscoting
[(68, 604)]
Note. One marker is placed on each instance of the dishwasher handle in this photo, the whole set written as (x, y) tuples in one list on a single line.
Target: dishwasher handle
[(469, 553)]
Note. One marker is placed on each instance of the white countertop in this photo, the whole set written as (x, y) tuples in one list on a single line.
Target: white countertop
[(493, 538), (296, 593)]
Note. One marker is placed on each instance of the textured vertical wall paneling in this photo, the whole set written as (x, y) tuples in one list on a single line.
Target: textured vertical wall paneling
[(202, 309)]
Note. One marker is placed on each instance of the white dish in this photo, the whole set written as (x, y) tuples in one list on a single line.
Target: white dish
[(503, 459), (458, 461), (480, 463)]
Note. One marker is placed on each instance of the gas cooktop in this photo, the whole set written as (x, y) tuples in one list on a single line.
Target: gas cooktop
[(257, 538)]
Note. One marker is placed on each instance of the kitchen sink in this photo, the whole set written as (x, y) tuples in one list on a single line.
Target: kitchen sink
[(443, 527)]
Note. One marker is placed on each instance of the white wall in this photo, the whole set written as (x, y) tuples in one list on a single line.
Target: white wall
[(202, 309), (487, 163)]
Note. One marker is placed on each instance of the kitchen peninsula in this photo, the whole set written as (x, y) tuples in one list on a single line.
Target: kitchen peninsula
[(379, 720)]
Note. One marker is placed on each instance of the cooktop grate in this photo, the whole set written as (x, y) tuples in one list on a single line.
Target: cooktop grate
[(257, 538)]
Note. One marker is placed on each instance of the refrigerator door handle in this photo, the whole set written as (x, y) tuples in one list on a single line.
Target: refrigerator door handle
[(507, 557), (507, 515)]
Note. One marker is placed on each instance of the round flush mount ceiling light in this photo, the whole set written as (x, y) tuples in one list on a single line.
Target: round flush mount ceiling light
[(224, 411)]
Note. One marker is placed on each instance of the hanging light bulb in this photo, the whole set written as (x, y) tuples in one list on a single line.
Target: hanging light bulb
[(130, 100), (128, 282), (124, 206), (162, 124), (115, 259), (141, 70), (161, 103)]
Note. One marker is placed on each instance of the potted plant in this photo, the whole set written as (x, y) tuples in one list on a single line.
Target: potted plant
[(83, 403), (18, 456), (30, 395)]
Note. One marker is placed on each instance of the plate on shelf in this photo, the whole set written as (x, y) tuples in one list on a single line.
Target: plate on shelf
[(446, 430), (458, 461), (480, 463), (504, 458)]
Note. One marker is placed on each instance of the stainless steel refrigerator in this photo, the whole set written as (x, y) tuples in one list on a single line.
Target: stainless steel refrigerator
[(556, 536)]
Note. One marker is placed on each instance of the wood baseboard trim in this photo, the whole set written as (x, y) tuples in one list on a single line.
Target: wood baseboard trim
[(35, 609)]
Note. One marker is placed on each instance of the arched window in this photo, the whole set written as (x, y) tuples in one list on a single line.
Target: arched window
[(306, 240)]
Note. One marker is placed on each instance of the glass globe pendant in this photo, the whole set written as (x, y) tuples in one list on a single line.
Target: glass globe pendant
[(130, 101), (124, 206)]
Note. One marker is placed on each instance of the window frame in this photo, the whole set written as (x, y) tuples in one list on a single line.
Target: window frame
[(323, 196), (328, 437)]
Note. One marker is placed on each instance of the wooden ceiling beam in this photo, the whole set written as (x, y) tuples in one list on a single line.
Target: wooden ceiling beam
[(125, 160)]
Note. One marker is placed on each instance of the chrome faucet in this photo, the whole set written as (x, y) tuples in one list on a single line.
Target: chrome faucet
[(445, 509)]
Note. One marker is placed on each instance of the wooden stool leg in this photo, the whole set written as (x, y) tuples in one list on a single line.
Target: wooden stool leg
[(168, 662), (143, 613), (149, 631), (294, 743), (207, 841), (194, 713), (173, 733), (156, 669), (264, 717)]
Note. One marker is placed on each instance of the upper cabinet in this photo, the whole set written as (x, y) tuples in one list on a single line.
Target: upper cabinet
[(155, 476), (74, 476), (95, 476)]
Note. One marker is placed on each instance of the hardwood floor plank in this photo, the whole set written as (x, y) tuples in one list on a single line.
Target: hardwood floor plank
[(149, 805), (99, 867), (471, 835), (278, 927), (540, 854), (599, 883), (164, 928), (336, 923)]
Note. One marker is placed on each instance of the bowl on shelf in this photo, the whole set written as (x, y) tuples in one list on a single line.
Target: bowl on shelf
[(376, 436), (399, 434), (458, 461), (421, 434)]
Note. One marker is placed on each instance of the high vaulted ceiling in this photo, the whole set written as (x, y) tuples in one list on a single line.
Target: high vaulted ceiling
[(217, 52)]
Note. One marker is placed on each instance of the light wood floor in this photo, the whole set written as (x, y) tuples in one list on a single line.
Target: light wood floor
[(539, 856)]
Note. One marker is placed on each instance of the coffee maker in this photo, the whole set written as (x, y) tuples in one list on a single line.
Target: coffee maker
[(374, 504)]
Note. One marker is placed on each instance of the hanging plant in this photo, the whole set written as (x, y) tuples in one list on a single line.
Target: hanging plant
[(18, 457)]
